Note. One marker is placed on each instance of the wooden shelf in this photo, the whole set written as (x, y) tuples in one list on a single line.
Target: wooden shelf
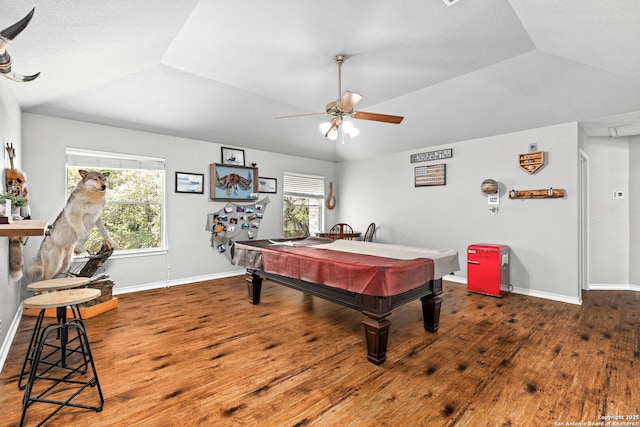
[(26, 227)]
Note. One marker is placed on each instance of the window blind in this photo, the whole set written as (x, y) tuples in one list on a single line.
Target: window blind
[(301, 185), (76, 157)]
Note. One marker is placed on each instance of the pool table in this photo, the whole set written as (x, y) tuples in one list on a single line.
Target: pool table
[(373, 278)]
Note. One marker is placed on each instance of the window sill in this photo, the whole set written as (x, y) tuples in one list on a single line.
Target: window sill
[(129, 254)]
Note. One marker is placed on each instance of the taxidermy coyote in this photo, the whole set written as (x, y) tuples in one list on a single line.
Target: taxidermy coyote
[(71, 228)]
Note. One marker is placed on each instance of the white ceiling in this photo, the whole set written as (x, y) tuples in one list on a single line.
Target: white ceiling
[(220, 71)]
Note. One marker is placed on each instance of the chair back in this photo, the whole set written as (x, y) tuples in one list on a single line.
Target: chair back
[(368, 235), (341, 231)]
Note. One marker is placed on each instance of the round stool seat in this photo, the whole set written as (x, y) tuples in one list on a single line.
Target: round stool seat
[(57, 284), (61, 298)]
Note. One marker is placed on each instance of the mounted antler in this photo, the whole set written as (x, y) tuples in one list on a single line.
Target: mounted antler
[(12, 153), (6, 35)]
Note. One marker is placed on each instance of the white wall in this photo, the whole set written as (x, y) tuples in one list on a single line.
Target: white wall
[(9, 133), (634, 211), (190, 255), (609, 217), (542, 233)]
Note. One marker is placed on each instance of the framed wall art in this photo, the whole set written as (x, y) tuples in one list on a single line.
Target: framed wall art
[(430, 175), (189, 182), (232, 156), (267, 185), (230, 182), (432, 155)]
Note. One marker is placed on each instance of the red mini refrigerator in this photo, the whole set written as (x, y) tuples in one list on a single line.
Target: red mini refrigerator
[(488, 268)]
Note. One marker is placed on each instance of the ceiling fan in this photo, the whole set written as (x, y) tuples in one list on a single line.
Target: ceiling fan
[(343, 107)]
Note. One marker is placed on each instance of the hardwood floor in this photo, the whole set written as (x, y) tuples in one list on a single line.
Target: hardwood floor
[(201, 355)]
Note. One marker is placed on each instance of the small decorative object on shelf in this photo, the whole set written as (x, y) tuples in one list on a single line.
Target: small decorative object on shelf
[(531, 162), (550, 193), (5, 211)]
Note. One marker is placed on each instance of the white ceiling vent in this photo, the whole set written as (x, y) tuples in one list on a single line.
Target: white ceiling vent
[(450, 2), (625, 130)]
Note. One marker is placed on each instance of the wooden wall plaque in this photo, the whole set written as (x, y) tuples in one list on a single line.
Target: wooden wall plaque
[(531, 162)]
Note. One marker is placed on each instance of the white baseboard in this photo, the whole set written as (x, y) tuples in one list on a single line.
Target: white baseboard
[(547, 295), (613, 287), (11, 333), (457, 279), (523, 291), (118, 290)]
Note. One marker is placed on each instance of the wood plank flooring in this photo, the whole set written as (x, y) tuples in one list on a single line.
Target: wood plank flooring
[(201, 355)]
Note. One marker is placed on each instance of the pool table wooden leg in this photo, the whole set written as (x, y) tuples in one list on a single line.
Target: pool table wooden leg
[(376, 332), (431, 312), (254, 287)]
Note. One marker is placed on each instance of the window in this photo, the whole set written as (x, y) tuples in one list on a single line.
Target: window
[(302, 203), (134, 213)]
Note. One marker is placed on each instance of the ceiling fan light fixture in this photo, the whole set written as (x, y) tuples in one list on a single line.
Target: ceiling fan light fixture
[(324, 127), (350, 129)]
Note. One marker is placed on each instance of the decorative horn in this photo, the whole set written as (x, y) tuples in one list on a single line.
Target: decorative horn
[(6, 36), (12, 31)]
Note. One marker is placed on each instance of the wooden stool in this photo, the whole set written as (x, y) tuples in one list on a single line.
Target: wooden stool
[(42, 386), (49, 286), (58, 284)]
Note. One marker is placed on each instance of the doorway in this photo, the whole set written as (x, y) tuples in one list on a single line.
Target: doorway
[(583, 224)]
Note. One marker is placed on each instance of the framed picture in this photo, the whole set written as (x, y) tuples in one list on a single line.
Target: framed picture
[(232, 156), (430, 175), (267, 185), (189, 182), (229, 182)]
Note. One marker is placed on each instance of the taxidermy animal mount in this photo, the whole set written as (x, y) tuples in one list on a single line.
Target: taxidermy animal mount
[(70, 230), (15, 179), (16, 184), (6, 36)]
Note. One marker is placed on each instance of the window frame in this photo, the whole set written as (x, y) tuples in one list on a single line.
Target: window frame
[(305, 186), (103, 160)]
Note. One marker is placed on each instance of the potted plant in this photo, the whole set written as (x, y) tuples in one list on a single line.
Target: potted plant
[(16, 202)]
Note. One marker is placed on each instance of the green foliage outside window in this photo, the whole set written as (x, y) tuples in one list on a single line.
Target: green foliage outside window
[(133, 214), (295, 213)]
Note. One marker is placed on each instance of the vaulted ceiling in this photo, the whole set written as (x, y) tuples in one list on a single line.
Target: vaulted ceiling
[(221, 71)]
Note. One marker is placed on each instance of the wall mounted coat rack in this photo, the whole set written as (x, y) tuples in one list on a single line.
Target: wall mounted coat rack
[(550, 193)]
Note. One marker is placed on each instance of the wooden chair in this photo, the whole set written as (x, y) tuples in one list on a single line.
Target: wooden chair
[(341, 231), (368, 235)]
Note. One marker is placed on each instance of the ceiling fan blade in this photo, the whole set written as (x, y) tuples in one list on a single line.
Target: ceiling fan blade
[(299, 115), (377, 117), (348, 101)]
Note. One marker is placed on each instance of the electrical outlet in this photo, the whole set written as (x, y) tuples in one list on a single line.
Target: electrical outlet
[(618, 194)]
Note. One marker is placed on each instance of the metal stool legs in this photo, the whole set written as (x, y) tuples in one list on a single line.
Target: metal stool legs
[(36, 389), (48, 358)]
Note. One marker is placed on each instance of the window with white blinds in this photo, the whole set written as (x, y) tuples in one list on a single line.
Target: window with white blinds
[(301, 185), (105, 160), (303, 204)]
